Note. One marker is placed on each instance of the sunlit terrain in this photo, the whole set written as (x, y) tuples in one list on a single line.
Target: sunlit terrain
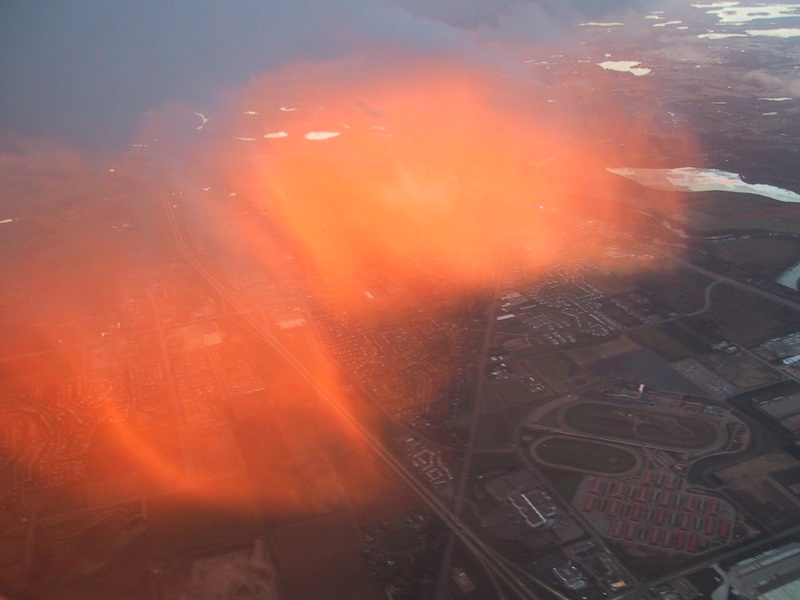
[(377, 316), (419, 175), (326, 204)]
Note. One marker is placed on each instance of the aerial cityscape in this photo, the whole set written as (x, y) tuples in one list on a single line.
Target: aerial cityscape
[(406, 300)]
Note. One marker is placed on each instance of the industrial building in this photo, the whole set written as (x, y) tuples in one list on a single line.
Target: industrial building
[(770, 575)]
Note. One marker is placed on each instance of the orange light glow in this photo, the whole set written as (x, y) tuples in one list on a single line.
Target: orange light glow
[(385, 189), (435, 173)]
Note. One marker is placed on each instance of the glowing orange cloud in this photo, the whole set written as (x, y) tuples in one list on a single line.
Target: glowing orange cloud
[(425, 178), (431, 172), (71, 410)]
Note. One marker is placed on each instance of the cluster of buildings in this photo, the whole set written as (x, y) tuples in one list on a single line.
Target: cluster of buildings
[(784, 410), (429, 461), (787, 346), (414, 370), (570, 577), (523, 501), (534, 507), (563, 309), (770, 575), (653, 511), (36, 447), (565, 306), (782, 352)]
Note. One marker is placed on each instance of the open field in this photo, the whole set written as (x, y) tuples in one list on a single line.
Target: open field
[(321, 558), (746, 319), (583, 455), (565, 482), (507, 393), (644, 366), (681, 289), (675, 340), (607, 349), (343, 576), (609, 283), (87, 554), (716, 212), (743, 370), (176, 526), (639, 425), (767, 257), (497, 429), (661, 343), (559, 371)]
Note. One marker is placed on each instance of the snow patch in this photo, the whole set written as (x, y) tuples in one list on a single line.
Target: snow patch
[(690, 179), (204, 120), (321, 135), (787, 32), (624, 66)]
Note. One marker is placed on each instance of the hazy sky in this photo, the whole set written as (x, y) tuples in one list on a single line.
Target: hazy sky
[(86, 71)]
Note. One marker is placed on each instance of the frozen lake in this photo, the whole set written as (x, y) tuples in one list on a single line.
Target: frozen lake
[(690, 179)]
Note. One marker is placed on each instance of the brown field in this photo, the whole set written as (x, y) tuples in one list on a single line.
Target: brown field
[(681, 289), (746, 319), (661, 343), (767, 257)]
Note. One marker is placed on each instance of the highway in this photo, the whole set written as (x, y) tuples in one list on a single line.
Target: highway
[(521, 584), (477, 410), (173, 390)]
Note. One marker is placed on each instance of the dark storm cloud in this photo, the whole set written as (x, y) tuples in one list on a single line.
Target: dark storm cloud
[(87, 70)]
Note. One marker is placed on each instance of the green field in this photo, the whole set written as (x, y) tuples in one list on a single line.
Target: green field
[(674, 431), (583, 455)]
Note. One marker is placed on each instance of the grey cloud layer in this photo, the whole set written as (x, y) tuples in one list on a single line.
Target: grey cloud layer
[(87, 71)]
